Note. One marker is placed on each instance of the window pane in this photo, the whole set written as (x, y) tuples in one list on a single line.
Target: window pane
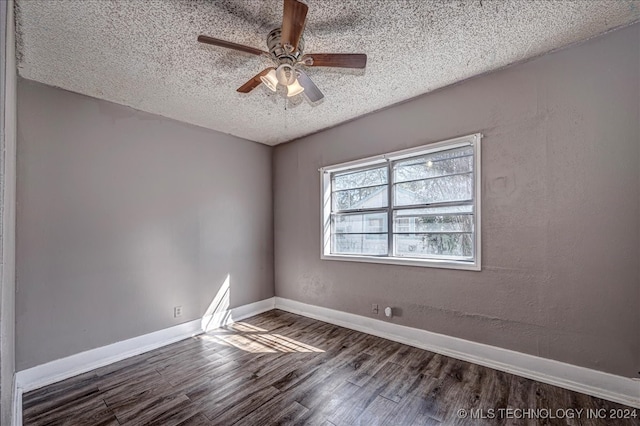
[(433, 165), (371, 244), (448, 188), (416, 220), (360, 198), (359, 223), (425, 210), (369, 177), (434, 245), (465, 208)]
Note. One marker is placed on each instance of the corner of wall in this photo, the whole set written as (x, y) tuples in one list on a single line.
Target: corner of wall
[(272, 150)]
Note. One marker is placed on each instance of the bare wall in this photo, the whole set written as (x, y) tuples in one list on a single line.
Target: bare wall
[(560, 209), (123, 215)]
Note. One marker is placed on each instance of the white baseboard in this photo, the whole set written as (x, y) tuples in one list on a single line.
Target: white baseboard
[(611, 387), (219, 319), (64, 368), (60, 369), (592, 382)]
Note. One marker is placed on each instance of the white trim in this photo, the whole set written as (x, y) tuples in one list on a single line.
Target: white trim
[(592, 382), (434, 147), (474, 140), (16, 417), (54, 371), (218, 319), (477, 200), (64, 368), (8, 132), (611, 387), (369, 161), (255, 308), (404, 153), (406, 261)]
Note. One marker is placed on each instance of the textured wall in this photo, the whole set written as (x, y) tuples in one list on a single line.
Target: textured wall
[(8, 87), (123, 215), (560, 207)]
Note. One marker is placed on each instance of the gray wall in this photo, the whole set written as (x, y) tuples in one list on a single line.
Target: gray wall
[(8, 86), (123, 215), (560, 276)]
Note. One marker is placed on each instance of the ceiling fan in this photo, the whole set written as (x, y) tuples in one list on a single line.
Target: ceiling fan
[(286, 50)]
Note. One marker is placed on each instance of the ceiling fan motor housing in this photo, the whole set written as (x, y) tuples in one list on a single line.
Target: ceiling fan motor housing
[(286, 50), (280, 52)]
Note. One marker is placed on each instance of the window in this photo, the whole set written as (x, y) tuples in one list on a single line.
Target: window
[(413, 207)]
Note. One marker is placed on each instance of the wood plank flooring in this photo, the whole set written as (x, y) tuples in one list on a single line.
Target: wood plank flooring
[(280, 368)]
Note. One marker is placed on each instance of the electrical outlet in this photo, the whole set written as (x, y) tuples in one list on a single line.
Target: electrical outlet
[(374, 309), (177, 311)]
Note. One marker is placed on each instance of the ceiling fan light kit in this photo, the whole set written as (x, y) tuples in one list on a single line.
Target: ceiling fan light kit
[(294, 89), (286, 50), (270, 80), (284, 75)]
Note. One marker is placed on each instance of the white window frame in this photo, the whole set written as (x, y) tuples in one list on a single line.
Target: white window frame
[(473, 140)]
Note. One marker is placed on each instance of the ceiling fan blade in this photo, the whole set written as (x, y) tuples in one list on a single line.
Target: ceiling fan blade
[(295, 13), (311, 91), (254, 82), (229, 45), (340, 60)]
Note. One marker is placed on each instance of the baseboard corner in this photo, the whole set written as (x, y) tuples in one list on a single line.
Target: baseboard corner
[(596, 383), (64, 368)]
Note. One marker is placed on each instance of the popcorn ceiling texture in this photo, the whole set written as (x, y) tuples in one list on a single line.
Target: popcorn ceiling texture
[(144, 54)]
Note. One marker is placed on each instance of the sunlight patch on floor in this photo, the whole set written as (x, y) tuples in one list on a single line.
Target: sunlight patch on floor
[(244, 327), (256, 342)]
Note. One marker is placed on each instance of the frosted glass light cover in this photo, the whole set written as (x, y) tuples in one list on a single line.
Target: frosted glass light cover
[(294, 89), (270, 80), (285, 74)]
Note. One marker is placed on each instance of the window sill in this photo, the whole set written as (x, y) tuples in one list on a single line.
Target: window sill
[(425, 263)]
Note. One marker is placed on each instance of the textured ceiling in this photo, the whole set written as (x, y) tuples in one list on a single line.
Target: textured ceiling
[(144, 53)]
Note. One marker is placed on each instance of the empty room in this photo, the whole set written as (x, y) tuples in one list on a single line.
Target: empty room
[(320, 212)]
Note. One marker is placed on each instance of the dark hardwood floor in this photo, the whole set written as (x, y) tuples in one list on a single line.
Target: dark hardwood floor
[(280, 368)]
